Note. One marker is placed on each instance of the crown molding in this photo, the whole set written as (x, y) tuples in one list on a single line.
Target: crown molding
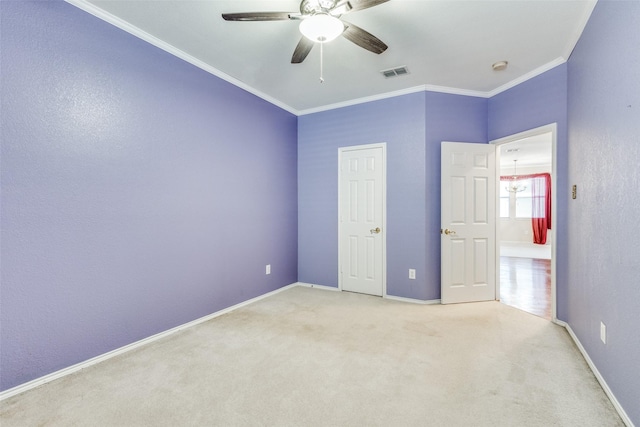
[(362, 100), (528, 76), (135, 31), (582, 23), (456, 91), (393, 94)]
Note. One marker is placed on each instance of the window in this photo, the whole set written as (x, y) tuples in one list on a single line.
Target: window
[(505, 199), (531, 204), (523, 200), (518, 205)]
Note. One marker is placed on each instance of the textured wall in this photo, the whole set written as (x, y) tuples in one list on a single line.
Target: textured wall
[(413, 127), (400, 123), (452, 118), (534, 103), (138, 192), (604, 235)]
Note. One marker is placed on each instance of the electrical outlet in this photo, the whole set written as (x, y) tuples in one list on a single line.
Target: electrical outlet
[(268, 269), (603, 333), (412, 273)]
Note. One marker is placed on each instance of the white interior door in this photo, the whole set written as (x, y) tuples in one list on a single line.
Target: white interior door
[(362, 219), (468, 218)]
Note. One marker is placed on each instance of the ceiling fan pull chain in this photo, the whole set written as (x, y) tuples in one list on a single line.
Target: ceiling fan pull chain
[(321, 55)]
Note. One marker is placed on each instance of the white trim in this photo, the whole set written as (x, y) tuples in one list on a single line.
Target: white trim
[(389, 297), (137, 32), (106, 356), (321, 287), (596, 373), (553, 129), (124, 349), (341, 150), (528, 76), (413, 300), (582, 23), (456, 91), (415, 89), (440, 89), (386, 95), (103, 357)]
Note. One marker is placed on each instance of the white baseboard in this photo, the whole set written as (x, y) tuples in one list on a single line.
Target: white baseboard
[(603, 383), (311, 285), (412, 300), (106, 356), (391, 297)]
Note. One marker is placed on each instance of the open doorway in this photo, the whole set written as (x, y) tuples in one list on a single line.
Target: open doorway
[(525, 224)]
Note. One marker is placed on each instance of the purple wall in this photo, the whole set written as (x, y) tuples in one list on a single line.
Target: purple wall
[(534, 103), (138, 192), (413, 127), (604, 235), (452, 118), (400, 123)]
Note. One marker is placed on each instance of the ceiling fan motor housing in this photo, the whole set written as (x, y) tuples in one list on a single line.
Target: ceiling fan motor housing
[(311, 7)]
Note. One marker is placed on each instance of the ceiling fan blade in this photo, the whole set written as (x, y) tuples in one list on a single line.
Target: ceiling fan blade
[(257, 16), (363, 38), (302, 50), (364, 4)]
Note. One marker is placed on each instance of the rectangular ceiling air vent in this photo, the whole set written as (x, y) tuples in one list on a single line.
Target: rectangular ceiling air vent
[(394, 72)]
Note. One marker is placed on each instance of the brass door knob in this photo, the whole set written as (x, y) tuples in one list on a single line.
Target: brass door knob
[(375, 230), (449, 232)]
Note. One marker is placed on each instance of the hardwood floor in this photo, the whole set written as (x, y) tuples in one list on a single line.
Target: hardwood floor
[(525, 283)]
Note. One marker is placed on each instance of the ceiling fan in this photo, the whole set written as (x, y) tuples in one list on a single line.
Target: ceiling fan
[(321, 22)]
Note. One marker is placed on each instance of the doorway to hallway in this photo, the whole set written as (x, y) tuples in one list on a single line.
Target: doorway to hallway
[(526, 265)]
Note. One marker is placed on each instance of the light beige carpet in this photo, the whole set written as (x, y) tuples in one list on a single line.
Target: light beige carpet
[(308, 357)]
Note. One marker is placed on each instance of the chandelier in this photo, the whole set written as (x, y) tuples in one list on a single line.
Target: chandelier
[(514, 186)]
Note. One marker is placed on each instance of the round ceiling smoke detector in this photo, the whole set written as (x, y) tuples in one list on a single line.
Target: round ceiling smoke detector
[(500, 65)]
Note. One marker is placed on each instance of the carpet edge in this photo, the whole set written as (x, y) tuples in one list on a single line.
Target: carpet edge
[(619, 409), (24, 387)]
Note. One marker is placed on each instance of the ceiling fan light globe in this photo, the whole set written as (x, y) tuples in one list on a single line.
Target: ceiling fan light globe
[(321, 28)]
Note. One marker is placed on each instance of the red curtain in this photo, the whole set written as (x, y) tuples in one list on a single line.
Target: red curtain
[(540, 204)]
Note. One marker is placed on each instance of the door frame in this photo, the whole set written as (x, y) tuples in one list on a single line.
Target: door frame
[(342, 150), (553, 129)]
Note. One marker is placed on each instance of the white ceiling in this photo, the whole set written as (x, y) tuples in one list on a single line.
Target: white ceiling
[(447, 45), (532, 151)]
